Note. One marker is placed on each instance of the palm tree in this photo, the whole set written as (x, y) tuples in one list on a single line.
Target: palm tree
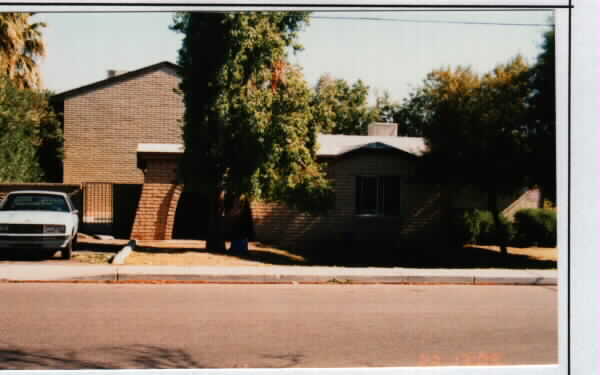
[(21, 46)]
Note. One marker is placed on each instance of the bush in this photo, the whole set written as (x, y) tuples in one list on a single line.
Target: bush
[(29, 131), (536, 227), (477, 227)]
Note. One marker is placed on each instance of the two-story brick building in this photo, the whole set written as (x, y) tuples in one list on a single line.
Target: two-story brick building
[(106, 120)]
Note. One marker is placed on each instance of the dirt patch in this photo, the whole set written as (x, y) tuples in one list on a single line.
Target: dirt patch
[(539, 253), (188, 253), (194, 253), (91, 250), (91, 257)]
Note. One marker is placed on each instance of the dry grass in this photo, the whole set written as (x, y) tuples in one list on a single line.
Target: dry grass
[(194, 253), (539, 253), (187, 253), (91, 257)]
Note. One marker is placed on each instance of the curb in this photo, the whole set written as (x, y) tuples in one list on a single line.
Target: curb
[(122, 255), (108, 280), (319, 279), (282, 280)]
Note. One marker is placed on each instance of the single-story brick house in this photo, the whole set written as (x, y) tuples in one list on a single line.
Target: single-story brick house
[(126, 130), (377, 194)]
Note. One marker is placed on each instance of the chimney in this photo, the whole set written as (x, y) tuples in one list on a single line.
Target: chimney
[(385, 129), (114, 72)]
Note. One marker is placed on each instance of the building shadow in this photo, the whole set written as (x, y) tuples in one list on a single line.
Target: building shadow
[(370, 255), (256, 255), (373, 254)]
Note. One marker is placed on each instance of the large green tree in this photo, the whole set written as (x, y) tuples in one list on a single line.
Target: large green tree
[(341, 108), (475, 127), (542, 121), (247, 128), (21, 46), (28, 130)]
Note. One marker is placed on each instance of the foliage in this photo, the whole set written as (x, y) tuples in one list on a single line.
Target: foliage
[(341, 108), (536, 226), (389, 111), (542, 120), (477, 227), (28, 126), (247, 129), (21, 45), (473, 125), (475, 128)]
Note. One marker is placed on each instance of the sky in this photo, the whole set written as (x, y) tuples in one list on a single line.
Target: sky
[(389, 51)]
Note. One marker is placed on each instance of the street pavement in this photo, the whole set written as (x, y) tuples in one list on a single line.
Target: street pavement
[(81, 326)]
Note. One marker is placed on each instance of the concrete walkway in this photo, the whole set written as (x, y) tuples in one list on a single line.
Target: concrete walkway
[(274, 274)]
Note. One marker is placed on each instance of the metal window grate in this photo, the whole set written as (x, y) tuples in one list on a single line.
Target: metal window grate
[(98, 202)]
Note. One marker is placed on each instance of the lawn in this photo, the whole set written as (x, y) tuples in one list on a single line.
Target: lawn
[(539, 253), (187, 253)]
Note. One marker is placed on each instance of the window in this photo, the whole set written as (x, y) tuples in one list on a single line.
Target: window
[(35, 202), (378, 195)]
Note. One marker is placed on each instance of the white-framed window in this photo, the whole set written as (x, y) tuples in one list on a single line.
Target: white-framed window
[(378, 195)]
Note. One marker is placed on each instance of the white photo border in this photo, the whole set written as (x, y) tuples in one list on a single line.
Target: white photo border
[(577, 166)]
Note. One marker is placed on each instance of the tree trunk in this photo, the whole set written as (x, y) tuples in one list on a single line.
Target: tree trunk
[(216, 237), (447, 215), (541, 197), (493, 207)]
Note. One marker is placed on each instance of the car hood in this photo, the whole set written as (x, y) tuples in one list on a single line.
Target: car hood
[(34, 217)]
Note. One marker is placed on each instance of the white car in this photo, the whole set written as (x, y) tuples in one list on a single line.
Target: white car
[(39, 219)]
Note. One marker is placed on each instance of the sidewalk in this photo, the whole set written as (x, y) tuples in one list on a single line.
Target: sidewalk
[(275, 274)]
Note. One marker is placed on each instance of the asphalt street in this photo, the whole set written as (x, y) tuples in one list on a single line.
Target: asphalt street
[(82, 326)]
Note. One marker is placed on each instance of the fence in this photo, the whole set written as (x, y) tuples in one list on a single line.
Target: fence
[(110, 208)]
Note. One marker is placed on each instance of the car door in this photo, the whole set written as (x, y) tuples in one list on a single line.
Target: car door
[(74, 215)]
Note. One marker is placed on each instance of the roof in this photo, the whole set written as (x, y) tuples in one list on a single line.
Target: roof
[(45, 192), (336, 145), (118, 78), (330, 145), (160, 148)]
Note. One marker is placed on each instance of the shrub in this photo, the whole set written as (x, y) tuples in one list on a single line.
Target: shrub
[(477, 227), (466, 228), (536, 226)]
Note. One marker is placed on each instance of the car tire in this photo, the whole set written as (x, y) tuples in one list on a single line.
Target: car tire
[(67, 252), (50, 253)]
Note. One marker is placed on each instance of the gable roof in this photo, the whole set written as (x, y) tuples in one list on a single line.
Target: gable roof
[(329, 145), (336, 145), (160, 148), (118, 78)]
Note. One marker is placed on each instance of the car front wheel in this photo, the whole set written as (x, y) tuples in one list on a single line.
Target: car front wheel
[(67, 252)]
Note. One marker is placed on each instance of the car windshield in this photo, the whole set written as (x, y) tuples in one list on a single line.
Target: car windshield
[(35, 202)]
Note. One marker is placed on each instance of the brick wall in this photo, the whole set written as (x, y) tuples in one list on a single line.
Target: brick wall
[(529, 199), (102, 127), (509, 204), (155, 215), (419, 218)]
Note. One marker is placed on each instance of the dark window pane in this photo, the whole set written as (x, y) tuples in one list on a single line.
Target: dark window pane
[(35, 202), (390, 195), (366, 195)]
